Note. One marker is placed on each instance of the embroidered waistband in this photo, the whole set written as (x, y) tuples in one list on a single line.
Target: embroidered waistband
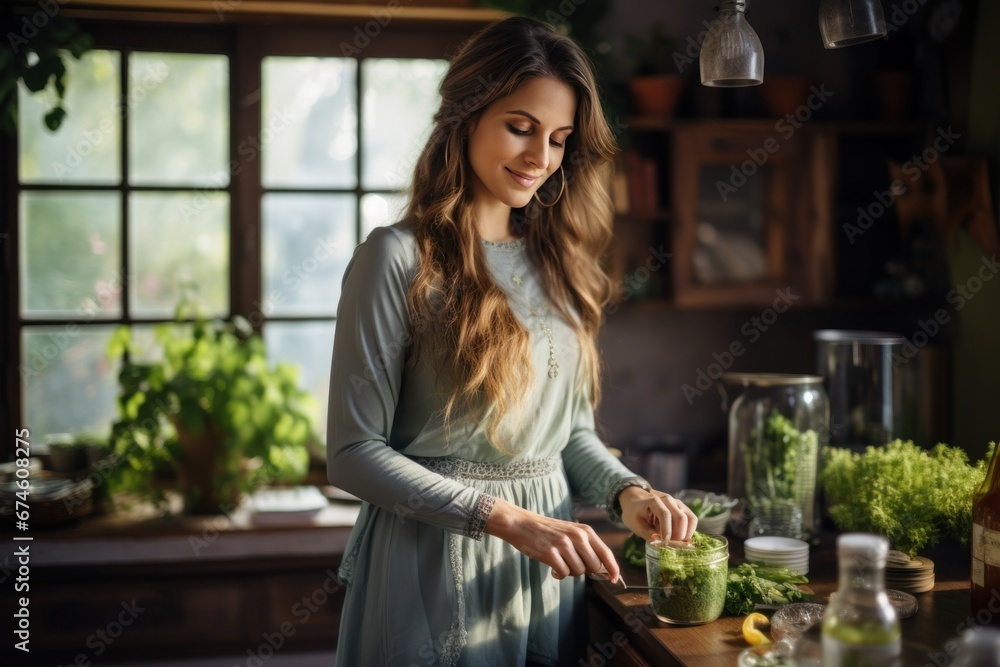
[(463, 468)]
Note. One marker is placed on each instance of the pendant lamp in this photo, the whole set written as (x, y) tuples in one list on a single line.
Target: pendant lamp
[(731, 54), (846, 22)]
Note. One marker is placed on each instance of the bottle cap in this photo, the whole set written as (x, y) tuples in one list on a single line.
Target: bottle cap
[(870, 547)]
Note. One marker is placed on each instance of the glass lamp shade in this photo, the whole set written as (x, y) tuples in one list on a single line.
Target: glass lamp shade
[(731, 55), (846, 22)]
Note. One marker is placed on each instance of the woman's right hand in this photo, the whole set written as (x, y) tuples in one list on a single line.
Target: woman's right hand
[(571, 549)]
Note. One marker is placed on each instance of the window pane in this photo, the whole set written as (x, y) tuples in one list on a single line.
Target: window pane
[(68, 382), (178, 239), (87, 146), (70, 255), (308, 241), (179, 119), (309, 345), (380, 209), (310, 122), (391, 141)]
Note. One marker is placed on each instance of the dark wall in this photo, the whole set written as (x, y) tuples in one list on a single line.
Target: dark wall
[(651, 351)]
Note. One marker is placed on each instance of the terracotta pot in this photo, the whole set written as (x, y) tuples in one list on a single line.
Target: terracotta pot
[(200, 470), (67, 457), (783, 95), (656, 95)]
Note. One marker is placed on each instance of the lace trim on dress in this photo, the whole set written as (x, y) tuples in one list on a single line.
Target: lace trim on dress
[(505, 245), (613, 507), (346, 571), (480, 514), (465, 469), (457, 636), (448, 466)]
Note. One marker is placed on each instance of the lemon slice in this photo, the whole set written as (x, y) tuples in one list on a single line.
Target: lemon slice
[(751, 631)]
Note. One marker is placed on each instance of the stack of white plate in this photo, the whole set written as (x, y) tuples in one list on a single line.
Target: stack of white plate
[(778, 551)]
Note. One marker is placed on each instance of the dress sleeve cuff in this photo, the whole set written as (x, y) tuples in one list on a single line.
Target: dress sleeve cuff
[(612, 504), (480, 514)]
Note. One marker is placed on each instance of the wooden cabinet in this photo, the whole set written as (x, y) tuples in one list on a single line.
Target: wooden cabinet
[(748, 211), (748, 206)]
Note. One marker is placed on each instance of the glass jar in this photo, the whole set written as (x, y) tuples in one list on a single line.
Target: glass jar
[(688, 579), (777, 426)]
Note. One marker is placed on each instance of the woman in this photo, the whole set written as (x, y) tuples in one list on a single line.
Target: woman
[(465, 372)]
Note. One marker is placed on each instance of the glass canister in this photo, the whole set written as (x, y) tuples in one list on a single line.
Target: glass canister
[(867, 392), (687, 580), (777, 427)]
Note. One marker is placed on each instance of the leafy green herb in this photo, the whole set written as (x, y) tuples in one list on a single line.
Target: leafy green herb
[(704, 510), (750, 584), (910, 495), (780, 466), (634, 550), (693, 580)]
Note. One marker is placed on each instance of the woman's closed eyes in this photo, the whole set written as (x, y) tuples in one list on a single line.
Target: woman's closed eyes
[(523, 133)]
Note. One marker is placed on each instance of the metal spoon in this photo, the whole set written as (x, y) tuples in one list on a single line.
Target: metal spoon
[(602, 575)]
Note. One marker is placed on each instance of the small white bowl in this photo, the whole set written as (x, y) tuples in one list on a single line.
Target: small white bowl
[(714, 525)]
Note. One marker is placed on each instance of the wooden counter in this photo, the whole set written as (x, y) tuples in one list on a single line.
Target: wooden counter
[(625, 632)]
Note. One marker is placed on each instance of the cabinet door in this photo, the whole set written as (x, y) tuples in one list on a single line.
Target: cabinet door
[(745, 209)]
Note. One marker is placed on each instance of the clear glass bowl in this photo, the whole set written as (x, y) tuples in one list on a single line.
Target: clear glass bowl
[(778, 654), (791, 621), (688, 581)]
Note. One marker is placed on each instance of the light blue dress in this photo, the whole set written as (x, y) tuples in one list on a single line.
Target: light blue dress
[(425, 586)]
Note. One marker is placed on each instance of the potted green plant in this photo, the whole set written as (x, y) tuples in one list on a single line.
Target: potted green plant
[(66, 454), (209, 412), (654, 86)]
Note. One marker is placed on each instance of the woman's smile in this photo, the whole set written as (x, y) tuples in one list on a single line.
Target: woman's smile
[(522, 178)]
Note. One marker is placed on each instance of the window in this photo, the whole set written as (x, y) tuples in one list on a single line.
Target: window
[(164, 176)]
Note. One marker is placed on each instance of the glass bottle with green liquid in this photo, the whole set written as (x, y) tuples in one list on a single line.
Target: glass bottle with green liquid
[(860, 626)]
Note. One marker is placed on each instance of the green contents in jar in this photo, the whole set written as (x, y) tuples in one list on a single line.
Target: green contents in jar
[(692, 577), (780, 470)]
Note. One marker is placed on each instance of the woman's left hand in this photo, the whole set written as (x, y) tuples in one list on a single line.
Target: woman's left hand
[(648, 512)]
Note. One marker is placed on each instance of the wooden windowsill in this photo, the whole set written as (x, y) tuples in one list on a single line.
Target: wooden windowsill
[(143, 536)]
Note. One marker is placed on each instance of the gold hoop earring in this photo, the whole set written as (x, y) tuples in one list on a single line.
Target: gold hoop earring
[(562, 188)]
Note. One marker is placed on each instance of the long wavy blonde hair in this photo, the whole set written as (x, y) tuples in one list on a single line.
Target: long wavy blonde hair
[(484, 348)]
